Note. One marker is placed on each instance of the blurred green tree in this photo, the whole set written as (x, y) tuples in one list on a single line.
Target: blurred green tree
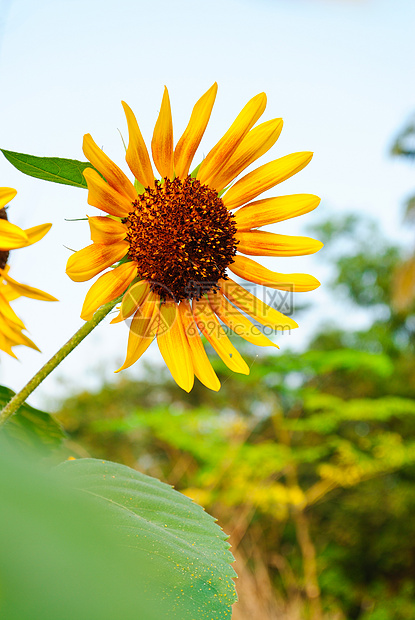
[(308, 462)]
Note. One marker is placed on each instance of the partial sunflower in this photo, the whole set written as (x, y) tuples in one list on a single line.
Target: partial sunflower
[(173, 239), (11, 238)]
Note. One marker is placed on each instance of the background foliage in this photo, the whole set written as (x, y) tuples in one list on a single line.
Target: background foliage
[(308, 463)]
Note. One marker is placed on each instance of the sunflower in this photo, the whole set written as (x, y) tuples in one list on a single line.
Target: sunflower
[(172, 240), (11, 238)]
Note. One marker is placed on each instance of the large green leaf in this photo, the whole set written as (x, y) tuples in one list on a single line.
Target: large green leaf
[(29, 425), (168, 526), (62, 560), (55, 169)]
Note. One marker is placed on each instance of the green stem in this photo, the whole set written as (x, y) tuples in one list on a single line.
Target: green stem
[(17, 400)]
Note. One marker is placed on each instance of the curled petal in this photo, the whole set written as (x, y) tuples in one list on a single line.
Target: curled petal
[(254, 272), (174, 347), (105, 197), (218, 157), (255, 144), (162, 142), (114, 176), (265, 177), (254, 307), (201, 365), (109, 286), (137, 154), (106, 230), (190, 140), (212, 330), (260, 243), (90, 261), (272, 210)]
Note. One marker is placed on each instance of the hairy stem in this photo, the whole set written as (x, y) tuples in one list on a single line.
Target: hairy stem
[(17, 400)]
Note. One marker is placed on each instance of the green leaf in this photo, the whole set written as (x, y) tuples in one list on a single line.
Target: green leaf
[(194, 172), (55, 169), (61, 559), (31, 426), (139, 187), (168, 526)]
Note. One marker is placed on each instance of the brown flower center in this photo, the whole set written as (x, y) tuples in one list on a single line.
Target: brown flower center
[(4, 255), (182, 238)]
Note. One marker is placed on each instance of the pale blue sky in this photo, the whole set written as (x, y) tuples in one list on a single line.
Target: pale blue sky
[(340, 74)]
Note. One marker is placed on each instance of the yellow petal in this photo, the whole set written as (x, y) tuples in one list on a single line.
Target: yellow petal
[(272, 210), (11, 236), (174, 346), (253, 306), (36, 233), (8, 314), (236, 321), (29, 343), (201, 365), (106, 230), (265, 177), (15, 336), (137, 154), (260, 243), (9, 293), (105, 197), (27, 291), (109, 286), (190, 140), (218, 157), (133, 298), (142, 330), (162, 142), (114, 176), (6, 195), (254, 272), (255, 144), (213, 332), (90, 261), (6, 346), (4, 272)]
